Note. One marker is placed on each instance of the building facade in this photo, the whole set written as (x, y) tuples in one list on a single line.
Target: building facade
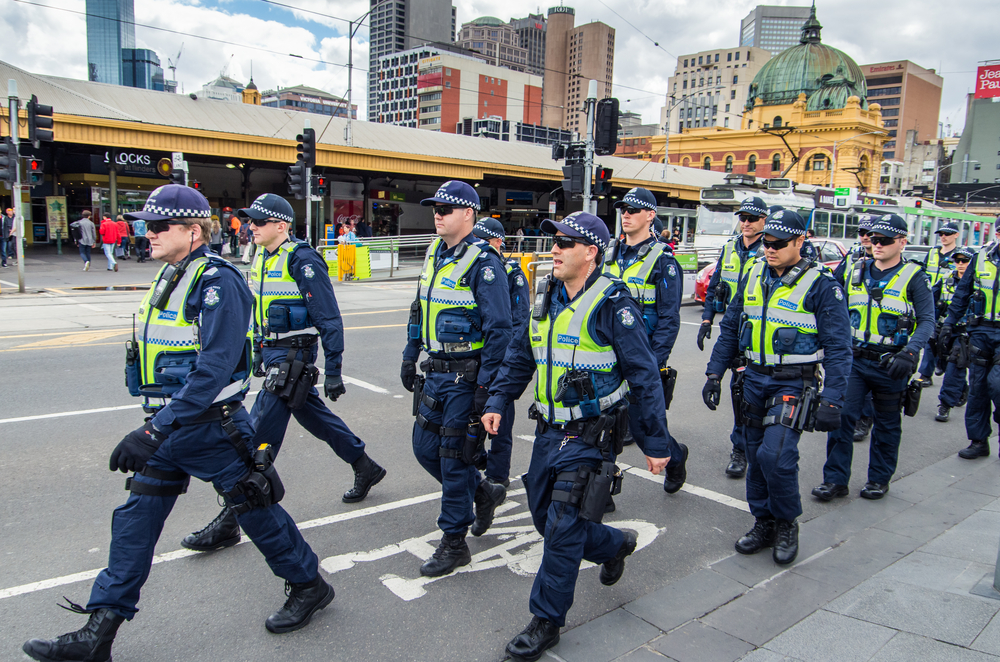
[(404, 25), (977, 159), (910, 97), (772, 28), (110, 30), (307, 100), (531, 32), (573, 57), (141, 68), (223, 88), (499, 43)]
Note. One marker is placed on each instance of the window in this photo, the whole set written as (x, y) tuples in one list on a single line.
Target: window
[(732, 94), (737, 56), (818, 162), (716, 57), (718, 80), (976, 166), (700, 58), (447, 85), (729, 57), (776, 163), (729, 164), (697, 124), (707, 165), (685, 85), (725, 122), (727, 107), (685, 63), (752, 161), (777, 121), (736, 79), (701, 82)]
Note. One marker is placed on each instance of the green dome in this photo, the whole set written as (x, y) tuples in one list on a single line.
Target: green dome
[(488, 20), (826, 75)]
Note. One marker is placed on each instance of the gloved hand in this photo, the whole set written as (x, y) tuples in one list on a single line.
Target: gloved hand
[(944, 338), (827, 417), (479, 399), (132, 452), (712, 392), (333, 387), (704, 331), (901, 364), (258, 364), (408, 374)]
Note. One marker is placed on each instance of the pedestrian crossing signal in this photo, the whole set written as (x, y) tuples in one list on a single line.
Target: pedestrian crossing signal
[(36, 171)]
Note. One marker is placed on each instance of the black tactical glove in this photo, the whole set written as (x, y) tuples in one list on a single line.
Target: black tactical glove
[(712, 392), (900, 365), (827, 417), (704, 331), (408, 374), (944, 338), (479, 399), (333, 387), (132, 452), (258, 364)]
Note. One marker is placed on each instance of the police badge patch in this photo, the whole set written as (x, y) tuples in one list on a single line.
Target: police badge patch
[(211, 297), (672, 271), (308, 272), (488, 274), (837, 293), (626, 317), (519, 280)]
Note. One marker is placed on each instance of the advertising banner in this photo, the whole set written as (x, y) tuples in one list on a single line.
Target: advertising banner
[(988, 82), (347, 210), (55, 207)]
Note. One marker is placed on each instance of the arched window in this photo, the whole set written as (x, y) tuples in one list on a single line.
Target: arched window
[(777, 121), (729, 164), (752, 163), (776, 163), (819, 162), (686, 163), (708, 163)]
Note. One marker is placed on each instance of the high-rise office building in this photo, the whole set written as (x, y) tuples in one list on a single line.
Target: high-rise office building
[(531, 31), (499, 42), (402, 25), (573, 57), (110, 30), (910, 97), (141, 68), (773, 28)]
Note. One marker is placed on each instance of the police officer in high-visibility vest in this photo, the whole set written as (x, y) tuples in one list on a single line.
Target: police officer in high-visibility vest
[(655, 280), (294, 308), (939, 266), (191, 362), (734, 263), (461, 317), (788, 317), (892, 318), (497, 462), (954, 388), (587, 342), (975, 299)]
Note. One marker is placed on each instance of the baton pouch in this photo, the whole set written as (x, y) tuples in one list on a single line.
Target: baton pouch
[(601, 485), (911, 400), (291, 380), (132, 368), (474, 446), (668, 376), (418, 392)]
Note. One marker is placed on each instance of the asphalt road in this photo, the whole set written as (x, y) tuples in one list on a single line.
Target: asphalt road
[(65, 354)]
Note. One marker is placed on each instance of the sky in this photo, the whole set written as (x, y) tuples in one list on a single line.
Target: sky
[(234, 36)]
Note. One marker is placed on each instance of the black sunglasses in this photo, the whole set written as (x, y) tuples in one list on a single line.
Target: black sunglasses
[(749, 218), (631, 210), (883, 241), (775, 245), (156, 227), (862, 233), (566, 243), (261, 222), (961, 260), (444, 210)]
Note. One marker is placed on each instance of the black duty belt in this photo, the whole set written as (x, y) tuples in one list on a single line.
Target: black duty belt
[(993, 324), (450, 365), (293, 342), (218, 412), (873, 354), (785, 371)]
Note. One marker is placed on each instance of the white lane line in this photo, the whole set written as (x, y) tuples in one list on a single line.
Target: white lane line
[(366, 385)]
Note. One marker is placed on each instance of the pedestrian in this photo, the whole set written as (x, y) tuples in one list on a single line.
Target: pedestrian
[(519, 233), (294, 307), (938, 266), (123, 239), (362, 228), (656, 284), (110, 239), (88, 236), (234, 233), (589, 339), (773, 318), (892, 318), (216, 242), (465, 328), (954, 388), (198, 427), (246, 240), (7, 226), (141, 243), (735, 262)]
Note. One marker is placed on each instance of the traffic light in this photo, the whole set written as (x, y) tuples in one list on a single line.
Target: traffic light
[(606, 129), (35, 171), (558, 151), (296, 179), (603, 184), (572, 182), (319, 183), (307, 147), (920, 203), (195, 184), (8, 162), (178, 176), (39, 122)]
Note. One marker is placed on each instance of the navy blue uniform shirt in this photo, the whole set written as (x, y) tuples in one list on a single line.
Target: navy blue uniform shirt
[(631, 346), (918, 292), (520, 296), (745, 253), (669, 279), (960, 301)]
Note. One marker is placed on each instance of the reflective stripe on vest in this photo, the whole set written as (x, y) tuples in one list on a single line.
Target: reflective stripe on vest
[(986, 281), (271, 281), (894, 302), (935, 272), (733, 266), (782, 308), (441, 290), (636, 275)]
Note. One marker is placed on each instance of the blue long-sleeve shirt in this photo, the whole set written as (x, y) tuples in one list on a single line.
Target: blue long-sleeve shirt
[(221, 302), (632, 350), (959, 307), (746, 253), (827, 301), (520, 297), (492, 295), (311, 274)]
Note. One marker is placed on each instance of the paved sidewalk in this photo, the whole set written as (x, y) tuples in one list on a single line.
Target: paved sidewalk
[(896, 579)]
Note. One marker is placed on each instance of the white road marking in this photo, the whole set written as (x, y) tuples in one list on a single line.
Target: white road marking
[(365, 385), (717, 497), (79, 412)]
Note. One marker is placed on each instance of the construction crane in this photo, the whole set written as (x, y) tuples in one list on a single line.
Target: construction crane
[(172, 64)]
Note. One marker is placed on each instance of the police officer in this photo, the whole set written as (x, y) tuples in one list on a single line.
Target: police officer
[(734, 263), (655, 280), (954, 388), (892, 318), (294, 307), (497, 462), (939, 266), (191, 360), (587, 342), (462, 318), (773, 320), (975, 299)]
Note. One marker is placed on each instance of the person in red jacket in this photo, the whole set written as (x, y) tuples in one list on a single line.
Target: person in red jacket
[(110, 237), (123, 239)]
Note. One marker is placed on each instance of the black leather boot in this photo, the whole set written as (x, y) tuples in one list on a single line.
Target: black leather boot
[(737, 464), (944, 413), (303, 601), (976, 449), (91, 643), (222, 532), (489, 495), (757, 538), (540, 635), (367, 474), (612, 570), (863, 428), (786, 543), (451, 553), (829, 491), (676, 473)]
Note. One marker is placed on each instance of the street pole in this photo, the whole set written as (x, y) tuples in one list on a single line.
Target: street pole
[(307, 184), (13, 108), (590, 206), (350, 70)]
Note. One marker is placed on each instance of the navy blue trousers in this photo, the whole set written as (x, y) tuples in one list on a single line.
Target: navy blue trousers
[(568, 539), (458, 480), (635, 427), (205, 452), (977, 411), (501, 446), (953, 386), (883, 452), (772, 452), (927, 361)]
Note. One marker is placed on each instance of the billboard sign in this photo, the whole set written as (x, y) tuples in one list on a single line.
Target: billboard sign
[(988, 82)]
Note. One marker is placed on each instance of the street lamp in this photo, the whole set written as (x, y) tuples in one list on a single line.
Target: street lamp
[(938, 177), (833, 162), (666, 129), (351, 31), (968, 195)]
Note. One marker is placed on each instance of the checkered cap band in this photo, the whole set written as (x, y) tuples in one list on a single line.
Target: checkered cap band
[(633, 201), (889, 228), (865, 222), (593, 238), (751, 207), (481, 227), (443, 194), (781, 227), (270, 213), (153, 208)]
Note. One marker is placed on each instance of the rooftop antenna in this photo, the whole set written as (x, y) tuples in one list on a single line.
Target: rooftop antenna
[(173, 63)]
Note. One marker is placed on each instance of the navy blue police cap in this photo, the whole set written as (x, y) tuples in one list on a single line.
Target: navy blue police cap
[(582, 225), (784, 224), (657, 226), (753, 206), (964, 250), (890, 225), (947, 228), (865, 222), (269, 205), (172, 201), (638, 197), (489, 228), (455, 193)]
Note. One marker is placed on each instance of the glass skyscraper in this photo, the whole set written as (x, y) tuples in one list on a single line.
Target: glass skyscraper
[(110, 29), (141, 68)]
